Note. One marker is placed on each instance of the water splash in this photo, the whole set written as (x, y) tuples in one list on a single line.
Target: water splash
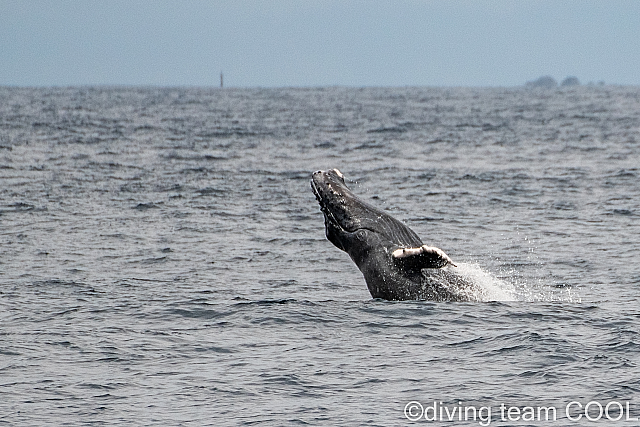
[(513, 287), (542, 291), (490, 288)]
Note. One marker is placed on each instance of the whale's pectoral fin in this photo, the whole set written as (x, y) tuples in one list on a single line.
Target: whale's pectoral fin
[(422, 257)]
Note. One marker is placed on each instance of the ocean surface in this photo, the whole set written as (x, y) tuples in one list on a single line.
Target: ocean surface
[(163, 259)]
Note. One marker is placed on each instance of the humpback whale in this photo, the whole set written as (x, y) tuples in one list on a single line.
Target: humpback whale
[(394, 261)]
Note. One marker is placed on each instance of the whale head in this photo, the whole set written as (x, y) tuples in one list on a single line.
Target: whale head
[(348, 220)]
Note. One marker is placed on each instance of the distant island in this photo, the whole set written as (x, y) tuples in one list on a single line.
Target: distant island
[(548, 82), (570, 81)]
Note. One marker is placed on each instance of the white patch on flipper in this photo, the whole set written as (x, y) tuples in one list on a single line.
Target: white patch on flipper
[(407, 252)]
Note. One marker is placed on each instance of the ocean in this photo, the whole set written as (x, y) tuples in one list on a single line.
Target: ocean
[(163, 259)]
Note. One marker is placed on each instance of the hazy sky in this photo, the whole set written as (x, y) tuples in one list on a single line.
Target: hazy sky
[(317, 42)]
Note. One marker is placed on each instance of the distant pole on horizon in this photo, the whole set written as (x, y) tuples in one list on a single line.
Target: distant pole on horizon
[(221, 80)]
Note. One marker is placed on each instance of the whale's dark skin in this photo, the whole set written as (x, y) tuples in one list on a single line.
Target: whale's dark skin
[(395, 263)]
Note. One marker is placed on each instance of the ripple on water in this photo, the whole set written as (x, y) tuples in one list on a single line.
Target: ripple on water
[(164, 261)]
